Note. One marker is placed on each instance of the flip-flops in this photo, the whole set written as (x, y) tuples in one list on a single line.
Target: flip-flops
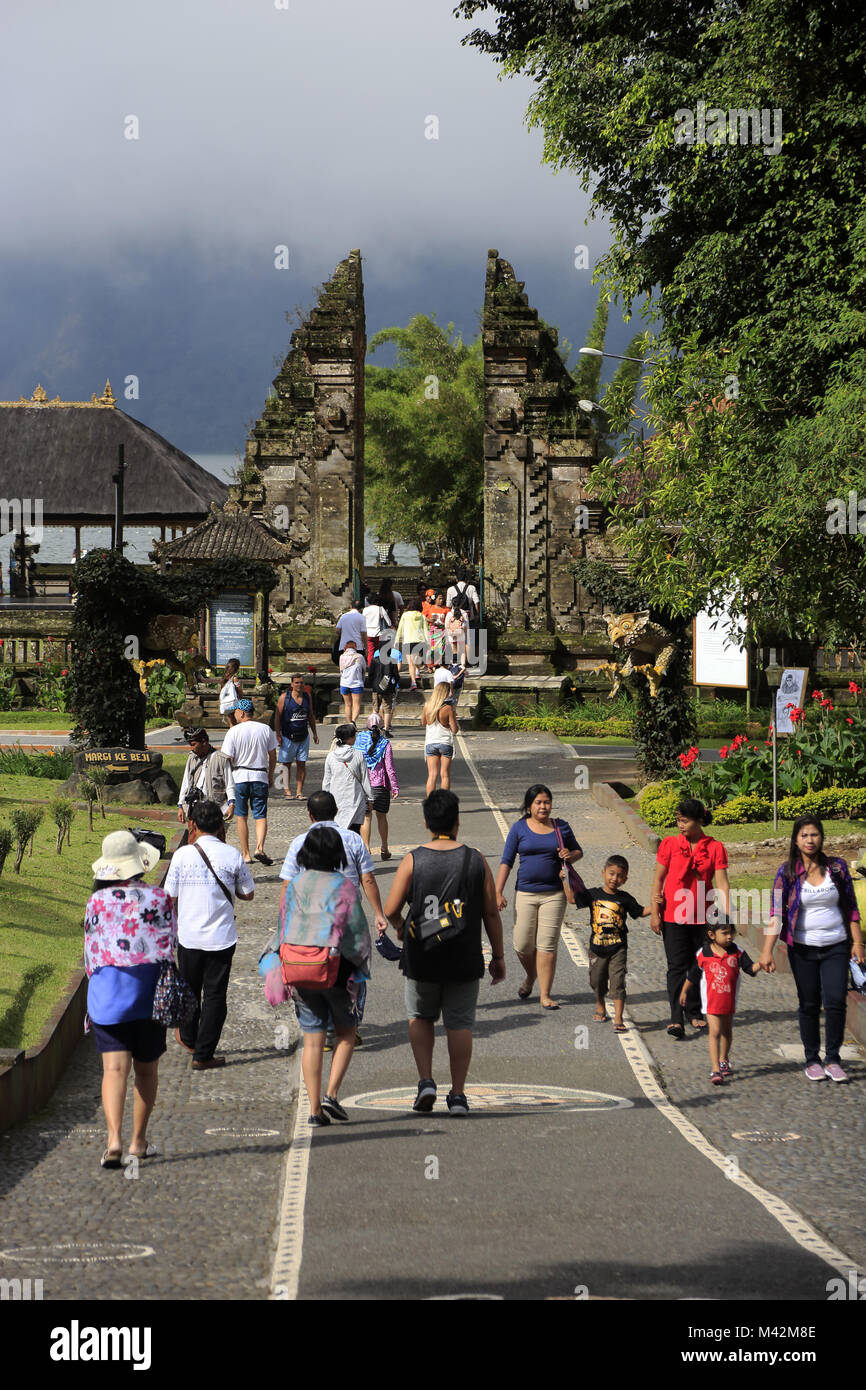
[(620, 1028), (112, 1158), (150, 1152), (601, 1018)]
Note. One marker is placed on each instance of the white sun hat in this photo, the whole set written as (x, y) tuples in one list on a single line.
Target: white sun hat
[(442, 676), (123, 856)]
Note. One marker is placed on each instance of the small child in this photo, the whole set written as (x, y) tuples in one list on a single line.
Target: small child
[(608, 941), (717, 967)]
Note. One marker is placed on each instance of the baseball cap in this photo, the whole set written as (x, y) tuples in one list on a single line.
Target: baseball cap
[(442, 677)]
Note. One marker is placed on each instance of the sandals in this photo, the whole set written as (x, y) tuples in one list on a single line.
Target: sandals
[(550, 1006), (385, 854), (716, 1078), (524, 993), (112, 1158), (698, 1024), (150, 1152), (676, 1030), (601, 1018), (620, 1028)]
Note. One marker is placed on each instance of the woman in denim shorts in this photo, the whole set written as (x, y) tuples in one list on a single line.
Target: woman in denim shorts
[(440, 725)]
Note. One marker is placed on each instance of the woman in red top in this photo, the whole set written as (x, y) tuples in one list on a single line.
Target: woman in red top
[(687, 866)]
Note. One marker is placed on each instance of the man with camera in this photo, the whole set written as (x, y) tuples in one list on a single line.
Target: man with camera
[(206, 777)]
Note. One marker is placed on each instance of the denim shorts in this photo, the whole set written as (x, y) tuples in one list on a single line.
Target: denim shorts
[(351, 689), (294, 751), (255, 793), (319, 1009), (456, 1000), (438, 750)]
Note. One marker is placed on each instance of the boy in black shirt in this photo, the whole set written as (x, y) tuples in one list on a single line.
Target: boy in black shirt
[(608, 940)]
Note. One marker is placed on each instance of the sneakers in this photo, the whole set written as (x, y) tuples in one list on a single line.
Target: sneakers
[(457, 1104), (329, 1042), (717, 1078), (835, 1072), (725, 1068), (319, 1121), (815, 1071), (426, 1097), (334, 1108)]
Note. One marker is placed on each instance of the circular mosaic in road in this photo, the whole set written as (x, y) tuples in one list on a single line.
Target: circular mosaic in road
[(237, 1132), (502, 1098), (78, 1252), (765, 1136)]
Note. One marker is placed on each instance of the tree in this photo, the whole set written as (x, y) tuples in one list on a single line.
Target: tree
[(5, 844), (62, 812), (89, 790), (24, 821), (424, 440), (724, 145)]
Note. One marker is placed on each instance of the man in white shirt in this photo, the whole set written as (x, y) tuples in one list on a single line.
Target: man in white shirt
[(461, 587), (352, 628), (251, 748), (202, 881)]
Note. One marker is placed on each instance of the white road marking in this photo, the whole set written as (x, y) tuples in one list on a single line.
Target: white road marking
[(642, 1065), (290, 1226)]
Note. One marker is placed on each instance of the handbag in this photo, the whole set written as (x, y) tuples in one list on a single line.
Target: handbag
[(173, 1001), (447, 923), (576, 884), (309, 967)]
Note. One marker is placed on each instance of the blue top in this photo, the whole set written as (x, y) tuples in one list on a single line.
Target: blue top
[(540, 865)]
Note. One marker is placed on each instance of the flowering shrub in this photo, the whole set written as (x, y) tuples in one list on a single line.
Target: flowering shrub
[(826, 749), (9, 697), (52, 683)]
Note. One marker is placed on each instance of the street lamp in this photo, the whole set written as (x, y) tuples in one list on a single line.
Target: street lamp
[(596, 352)]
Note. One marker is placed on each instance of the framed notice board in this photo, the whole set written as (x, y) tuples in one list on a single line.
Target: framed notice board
[(231, 629)]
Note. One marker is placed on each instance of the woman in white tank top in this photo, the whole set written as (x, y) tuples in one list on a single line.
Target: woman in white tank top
[(440, 725)]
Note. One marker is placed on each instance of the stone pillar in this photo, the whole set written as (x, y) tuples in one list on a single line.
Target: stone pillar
[(539, 449), (304, 462)]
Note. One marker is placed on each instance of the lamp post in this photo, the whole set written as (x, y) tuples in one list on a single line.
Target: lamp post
[(773, 673), (117, 479)]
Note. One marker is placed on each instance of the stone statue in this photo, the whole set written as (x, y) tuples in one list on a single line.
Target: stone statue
[(650, 650)]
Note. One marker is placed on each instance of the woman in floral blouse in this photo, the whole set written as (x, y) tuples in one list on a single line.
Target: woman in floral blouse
[(129, 929)]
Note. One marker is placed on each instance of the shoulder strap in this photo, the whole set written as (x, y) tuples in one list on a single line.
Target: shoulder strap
[(197, 846)]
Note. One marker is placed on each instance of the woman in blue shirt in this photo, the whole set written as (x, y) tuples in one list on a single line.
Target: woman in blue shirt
[(539, 904)]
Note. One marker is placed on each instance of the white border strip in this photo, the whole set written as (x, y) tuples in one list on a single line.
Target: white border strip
[(286, 1272), (641, 1063)]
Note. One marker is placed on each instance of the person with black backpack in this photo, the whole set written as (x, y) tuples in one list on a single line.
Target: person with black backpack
[(450, 892)]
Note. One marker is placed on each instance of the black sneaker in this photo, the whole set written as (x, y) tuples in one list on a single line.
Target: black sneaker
[(334, 1108), (318, 1120), (426, 1097), (457, 1104)]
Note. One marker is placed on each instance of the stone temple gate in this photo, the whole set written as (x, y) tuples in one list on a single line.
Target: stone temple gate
[(304, 464)]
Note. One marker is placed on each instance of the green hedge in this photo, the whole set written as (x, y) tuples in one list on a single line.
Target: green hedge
[(565, 724), (658, 803)]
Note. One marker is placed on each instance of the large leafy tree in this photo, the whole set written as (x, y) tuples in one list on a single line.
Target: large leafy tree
[(751, 258), (424, 439)]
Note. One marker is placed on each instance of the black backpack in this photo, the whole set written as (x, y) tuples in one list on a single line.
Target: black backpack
[(463, 601)]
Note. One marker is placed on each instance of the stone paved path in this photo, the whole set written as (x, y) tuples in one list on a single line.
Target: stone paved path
[(207, 1208)]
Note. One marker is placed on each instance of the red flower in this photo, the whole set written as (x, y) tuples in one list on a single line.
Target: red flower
[(827, 705), (848, 721), (817, 695), (723, 752), (854, 687), (65, 671), (768, 742), (796, 714)]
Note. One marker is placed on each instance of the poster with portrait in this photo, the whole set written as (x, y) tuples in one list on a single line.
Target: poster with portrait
[(792, 688)]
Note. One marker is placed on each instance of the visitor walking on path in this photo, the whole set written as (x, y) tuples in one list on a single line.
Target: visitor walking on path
[(383, 779), (413, 638), (717, 969), (391, 601), (688, 864), (230, 692), (449, 889), (206, 777), (456, 633), (440, 724), (203, 879), (815, 912), (348, 779), (378, 623), (609, 907), (320, 908), (353, 670), (359, 867), (545, 846), (129, 930), (352, 628), (294, 721), (385, 684), (251, 747)]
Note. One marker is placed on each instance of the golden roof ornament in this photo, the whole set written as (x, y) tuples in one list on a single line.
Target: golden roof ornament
[(40, 398)]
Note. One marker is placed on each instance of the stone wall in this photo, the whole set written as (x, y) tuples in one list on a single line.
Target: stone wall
[(304, 461), (539, 449)]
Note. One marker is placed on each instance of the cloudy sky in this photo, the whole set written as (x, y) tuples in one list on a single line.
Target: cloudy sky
[(257, 127)]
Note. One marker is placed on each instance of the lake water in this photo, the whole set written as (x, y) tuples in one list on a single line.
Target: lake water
[(58, 542)]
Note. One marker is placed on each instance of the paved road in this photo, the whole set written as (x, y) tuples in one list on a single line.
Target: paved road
[(607, 1198)]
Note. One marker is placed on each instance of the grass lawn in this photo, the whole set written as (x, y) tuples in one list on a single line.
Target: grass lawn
[(34, 720), (41, 919)]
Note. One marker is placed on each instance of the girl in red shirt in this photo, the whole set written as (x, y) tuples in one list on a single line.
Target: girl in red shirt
[(717, 968), (688, 864)]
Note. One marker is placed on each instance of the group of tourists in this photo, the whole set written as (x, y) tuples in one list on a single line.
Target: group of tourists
[(442, 900)]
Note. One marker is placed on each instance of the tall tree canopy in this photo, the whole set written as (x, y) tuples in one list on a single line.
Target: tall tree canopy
[(744, 227), (424, 440)]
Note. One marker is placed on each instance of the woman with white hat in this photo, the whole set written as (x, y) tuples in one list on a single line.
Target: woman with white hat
[(440, 723), (129, 929)]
